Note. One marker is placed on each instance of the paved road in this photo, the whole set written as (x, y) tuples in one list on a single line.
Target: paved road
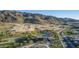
[(27, 46), (35, 44), (60, 35), (66, 41)]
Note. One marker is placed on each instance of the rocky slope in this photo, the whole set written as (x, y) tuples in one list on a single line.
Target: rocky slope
[(23, 17)]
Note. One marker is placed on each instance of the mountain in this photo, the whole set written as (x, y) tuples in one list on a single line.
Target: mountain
[(23, 17)]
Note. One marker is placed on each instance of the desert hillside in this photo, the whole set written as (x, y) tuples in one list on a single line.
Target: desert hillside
[(23, 17)]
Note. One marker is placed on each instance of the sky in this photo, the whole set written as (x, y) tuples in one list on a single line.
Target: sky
[(58, 13)]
